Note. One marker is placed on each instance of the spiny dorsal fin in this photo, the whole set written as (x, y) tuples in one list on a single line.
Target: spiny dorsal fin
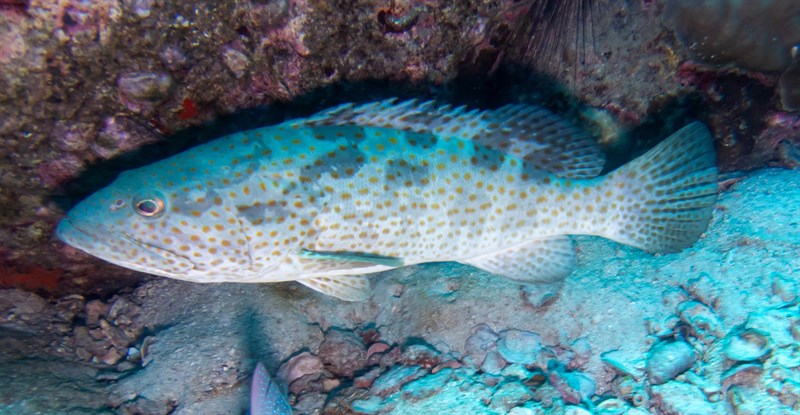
[(527, 132)]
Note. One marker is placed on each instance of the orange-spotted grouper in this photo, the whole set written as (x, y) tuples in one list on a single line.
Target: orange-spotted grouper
[(265, 396), (360, 189)]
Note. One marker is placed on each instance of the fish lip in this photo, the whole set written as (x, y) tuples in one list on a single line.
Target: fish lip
[(68, 224)]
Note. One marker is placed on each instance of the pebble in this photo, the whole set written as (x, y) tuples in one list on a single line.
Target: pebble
[(784, 288), (421, 355), (510, 395), (678, 398), (574, 387), (365, 381), (746, 345), (575, 410), (582, 350), (704, 322), (705, 289), (744, 374), (144, 87), (298, 366), (342, 352), (667, 360), (482, 340), (611, 406), (623, 363), (236, 60), (173, 58), (493, 364), (94, 310), (518, 346)]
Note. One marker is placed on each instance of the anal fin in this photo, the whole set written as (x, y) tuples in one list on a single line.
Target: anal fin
[(540, 260), (344, 287)]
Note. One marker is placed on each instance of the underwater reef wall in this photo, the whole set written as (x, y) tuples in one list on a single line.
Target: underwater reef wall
[(83, 85)]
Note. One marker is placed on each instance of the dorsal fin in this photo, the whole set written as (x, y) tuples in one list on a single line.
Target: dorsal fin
[(527, 132)]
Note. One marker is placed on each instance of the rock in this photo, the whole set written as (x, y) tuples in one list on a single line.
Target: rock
[(20, 304), (342, 352), (704, 322), (428, 385), (582, 350), (144, 406), (784, 287), (517, 371), (376, 348), (680, 398), (309, 403), (575, 410), (479, 343), (299, 366), (744, 374), (746, 345), (705, 289), (510, 395), (121, 134), (517, 346), (370, 405), (394, 379), (330, 384), (451, 364), (662, 328), (173, 58), (611, 406), (666, 360), (150, 87), (574, 387), (623, 363), (777, 324), (57, 172), (236, 60), (111, 357), (94, 310), (365, 381), (493, 364), (421, 355)]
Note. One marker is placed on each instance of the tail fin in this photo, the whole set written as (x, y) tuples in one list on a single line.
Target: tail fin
[(664, 198), (265, 396)]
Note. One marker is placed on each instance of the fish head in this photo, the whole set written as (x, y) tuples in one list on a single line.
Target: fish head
[(162, 225)]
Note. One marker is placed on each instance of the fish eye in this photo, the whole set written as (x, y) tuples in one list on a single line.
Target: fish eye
[(149, 207)]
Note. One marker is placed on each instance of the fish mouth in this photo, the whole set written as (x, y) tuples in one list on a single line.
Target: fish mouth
[(99, 241)]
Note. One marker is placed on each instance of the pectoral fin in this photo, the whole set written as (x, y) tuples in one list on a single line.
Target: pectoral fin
[(540, 260), (345, 287), (357, 257)]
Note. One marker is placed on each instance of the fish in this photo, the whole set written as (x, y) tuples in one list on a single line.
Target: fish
[(265, 396), (359, 189)]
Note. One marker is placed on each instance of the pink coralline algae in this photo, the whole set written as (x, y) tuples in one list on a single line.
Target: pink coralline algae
[(119, 135), (59, 171)]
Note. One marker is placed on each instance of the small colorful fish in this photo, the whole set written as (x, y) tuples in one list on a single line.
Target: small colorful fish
[(265, 396), (360, 189)]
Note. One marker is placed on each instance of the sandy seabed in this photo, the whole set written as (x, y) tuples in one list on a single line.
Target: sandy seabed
[(710, 330)]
